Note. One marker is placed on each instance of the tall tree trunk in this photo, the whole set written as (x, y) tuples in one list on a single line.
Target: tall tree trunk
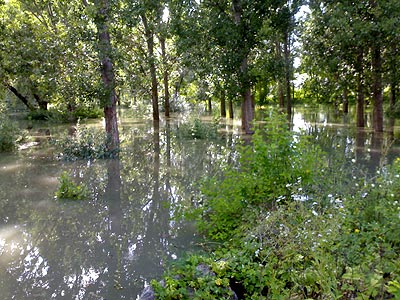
[(151, 59), (345, 100), (165, 76), (209, 105), (360, 90), (223, 104), (247, 103), (107, 73), (230, 107), (281, 94), (286, 49), (377, 88)]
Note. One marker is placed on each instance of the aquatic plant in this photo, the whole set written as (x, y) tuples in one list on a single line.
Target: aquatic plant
[(85, 143), (68, 189), (196, 129)]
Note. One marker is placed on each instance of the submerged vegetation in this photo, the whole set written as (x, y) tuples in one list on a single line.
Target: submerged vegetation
[(280, 229), (68, 189), (84, 143), (196, 129)]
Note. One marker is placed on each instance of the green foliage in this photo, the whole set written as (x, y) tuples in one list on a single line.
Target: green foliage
[(277, 166), (10, 134), (196, 129), (68, 189), (198, 277), (85, 143), (309, 244)]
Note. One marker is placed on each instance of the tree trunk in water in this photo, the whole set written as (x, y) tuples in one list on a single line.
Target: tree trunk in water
[(20, 97), (281, 96), (165, 77), (247, 103), (247, 112), (286, 49), (360, 90), (345, 100), (377, 88), (223, 104), (107, 73), (150, 53), (230, 107)]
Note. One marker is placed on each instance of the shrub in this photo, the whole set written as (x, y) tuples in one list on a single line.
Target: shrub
[(196, 129), (86, 143), (277, 166), (68, 189)]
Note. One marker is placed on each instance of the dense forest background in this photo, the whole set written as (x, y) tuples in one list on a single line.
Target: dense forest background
[(82, 57)]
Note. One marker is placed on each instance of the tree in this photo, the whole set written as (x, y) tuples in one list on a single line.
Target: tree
[(109, 97)]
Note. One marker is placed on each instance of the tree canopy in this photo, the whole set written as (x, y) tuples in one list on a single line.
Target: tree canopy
[(53, 53)]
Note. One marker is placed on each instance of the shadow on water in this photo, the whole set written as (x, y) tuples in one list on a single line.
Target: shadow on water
[(111, 245)]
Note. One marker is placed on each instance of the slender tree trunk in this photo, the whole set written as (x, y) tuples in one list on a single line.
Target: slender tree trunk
[(107, 73), (223, 104), (165, 76), (281, 94), (360, 90), (20, 97), (377, 88), (153, 74), (286, 49), (345, 100), (230, 107), (209, 105)]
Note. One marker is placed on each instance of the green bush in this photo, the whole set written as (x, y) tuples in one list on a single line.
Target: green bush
[(68, 189), (86, 143), (277, 166), (196, 129), (10, 134)]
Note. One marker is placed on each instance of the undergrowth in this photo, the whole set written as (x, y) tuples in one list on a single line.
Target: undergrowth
[(279, 228)]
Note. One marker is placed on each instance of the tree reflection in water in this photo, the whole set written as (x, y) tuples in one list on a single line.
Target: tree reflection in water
[(110, 246)]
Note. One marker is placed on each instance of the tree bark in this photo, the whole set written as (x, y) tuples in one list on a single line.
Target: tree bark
[(230, 107), (223, 104), (377, 88), (42, 104), (345, 100), (20, 97), (151, 59), (286, 49), (247, 103), (165, 77), (107, 73), (360, 90)]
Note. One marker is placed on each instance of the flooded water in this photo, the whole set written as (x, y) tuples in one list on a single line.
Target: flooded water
[(112, 245)]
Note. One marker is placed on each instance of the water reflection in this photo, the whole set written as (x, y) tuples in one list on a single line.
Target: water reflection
[(110, 246)]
